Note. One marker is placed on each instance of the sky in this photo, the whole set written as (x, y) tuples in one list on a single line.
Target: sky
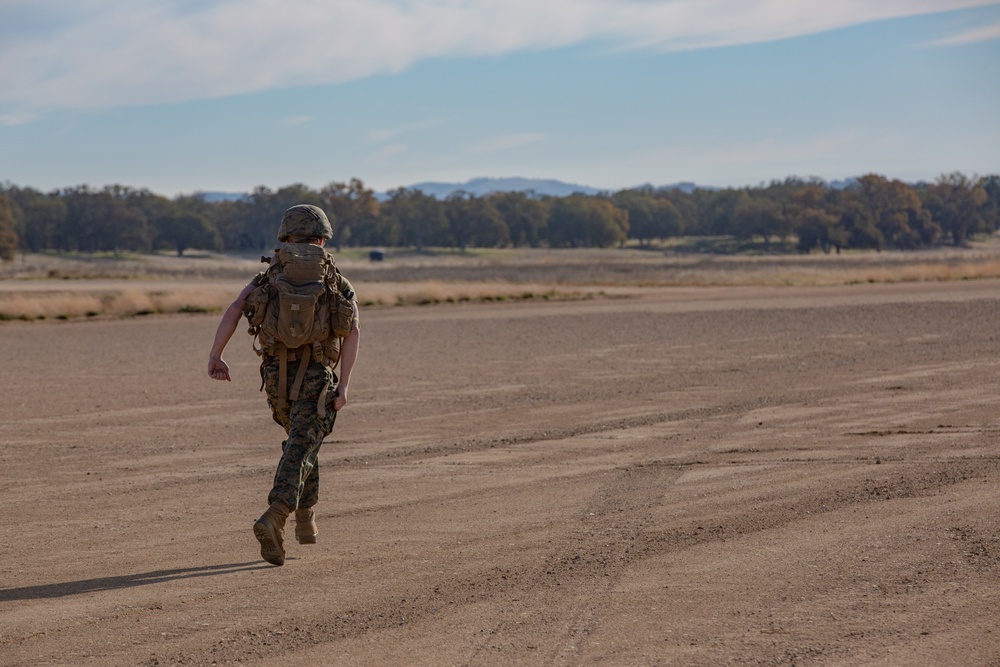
[(186, 96)]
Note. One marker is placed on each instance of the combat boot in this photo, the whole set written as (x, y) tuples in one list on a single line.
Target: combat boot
[(268, 529), (305, 526)]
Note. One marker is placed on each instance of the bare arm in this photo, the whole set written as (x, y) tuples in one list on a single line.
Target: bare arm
[(217, 368), (349, 349)]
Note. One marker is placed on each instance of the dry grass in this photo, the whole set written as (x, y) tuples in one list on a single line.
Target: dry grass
[(820, 274), (127, 267), (38, 305), (50, 287), (427, 292), (641, 268)]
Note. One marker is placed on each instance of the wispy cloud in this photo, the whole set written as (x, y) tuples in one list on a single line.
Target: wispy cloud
[(16, 118), (504, 142), (982, 34), (381, 136), (386, 152), (295, 120), (385, 134), (767, 151), (105, 53)]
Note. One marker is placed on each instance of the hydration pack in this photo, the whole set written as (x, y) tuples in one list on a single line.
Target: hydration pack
[(297, 312)]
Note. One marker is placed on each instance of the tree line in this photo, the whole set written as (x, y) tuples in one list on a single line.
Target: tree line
[(871, 212)]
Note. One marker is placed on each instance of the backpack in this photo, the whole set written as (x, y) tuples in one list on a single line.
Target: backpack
[(298, 312)]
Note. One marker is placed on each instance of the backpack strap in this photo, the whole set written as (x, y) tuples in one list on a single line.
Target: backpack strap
[(303, 364), (321, 403), (283, 394), (282, 375)]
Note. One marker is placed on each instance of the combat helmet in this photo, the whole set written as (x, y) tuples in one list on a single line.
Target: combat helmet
[(303, 221)]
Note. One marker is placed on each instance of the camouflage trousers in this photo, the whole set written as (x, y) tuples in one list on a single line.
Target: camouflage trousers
[(296, 481)]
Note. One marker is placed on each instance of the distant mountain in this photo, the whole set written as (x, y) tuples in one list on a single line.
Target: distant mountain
[(212, 197), (689, 187), (484, 186), (843, 184), (540, 186), (683, 186)]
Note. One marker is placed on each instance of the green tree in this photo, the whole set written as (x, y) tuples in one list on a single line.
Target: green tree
[(102, 221), (349, 206), (896, 211), (960, 205), (264, 211), (687, 207), (166, 226), (8, 237), (649, 217), (816, 222), (190, 230), (858, 221), (991, 185), (421, 218), (475, 221), (762, 217), (183, 224), (525, 217), (229, 218), (816, 227), (717, 211), (584, 221), (41, 218), (381, 230)]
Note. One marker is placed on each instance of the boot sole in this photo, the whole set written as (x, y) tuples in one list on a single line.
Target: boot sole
[(306, 539), (270, 549)]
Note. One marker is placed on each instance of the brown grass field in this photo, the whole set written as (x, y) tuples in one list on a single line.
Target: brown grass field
[(580, 458), (73, 286)]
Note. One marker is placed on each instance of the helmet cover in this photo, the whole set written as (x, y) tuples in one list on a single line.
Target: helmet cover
[(304, 221)]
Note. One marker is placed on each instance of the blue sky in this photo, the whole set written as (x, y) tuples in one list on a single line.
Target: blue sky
[(227, 95)]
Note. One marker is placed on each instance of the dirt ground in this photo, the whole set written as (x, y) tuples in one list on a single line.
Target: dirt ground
[(703, 476)]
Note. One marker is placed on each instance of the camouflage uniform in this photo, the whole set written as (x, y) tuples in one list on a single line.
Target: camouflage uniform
[(296, 481)]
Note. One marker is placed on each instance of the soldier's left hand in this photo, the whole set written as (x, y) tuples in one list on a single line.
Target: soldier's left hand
[(340, 400)]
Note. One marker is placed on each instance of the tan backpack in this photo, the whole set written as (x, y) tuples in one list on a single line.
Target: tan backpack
[(298, 312)]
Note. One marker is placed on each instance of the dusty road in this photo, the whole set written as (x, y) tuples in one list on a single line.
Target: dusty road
[(690, 477)]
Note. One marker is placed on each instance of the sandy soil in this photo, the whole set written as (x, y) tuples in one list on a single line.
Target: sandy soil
[(690, 477)]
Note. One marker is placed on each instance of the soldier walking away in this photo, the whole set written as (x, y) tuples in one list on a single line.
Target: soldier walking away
[(303, 316)]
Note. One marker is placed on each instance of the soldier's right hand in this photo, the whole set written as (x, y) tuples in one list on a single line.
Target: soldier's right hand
[(218, 369)]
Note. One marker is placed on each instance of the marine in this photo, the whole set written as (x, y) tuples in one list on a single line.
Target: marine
[(303, 314)]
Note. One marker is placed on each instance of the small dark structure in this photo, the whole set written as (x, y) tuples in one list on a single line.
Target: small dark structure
[(376, 255)]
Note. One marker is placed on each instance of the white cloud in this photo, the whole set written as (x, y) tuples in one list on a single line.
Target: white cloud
[(982, 34), (131, 52)]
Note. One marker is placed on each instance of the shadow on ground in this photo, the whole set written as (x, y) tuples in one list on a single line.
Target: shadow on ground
[(68, 588)]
